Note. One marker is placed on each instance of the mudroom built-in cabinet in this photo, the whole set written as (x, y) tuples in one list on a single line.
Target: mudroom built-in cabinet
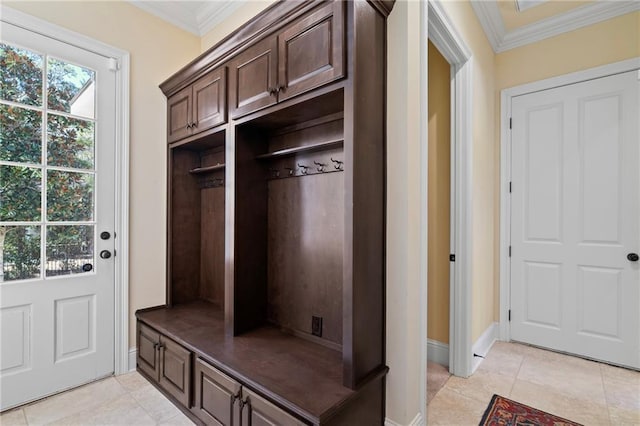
[(276, 223)]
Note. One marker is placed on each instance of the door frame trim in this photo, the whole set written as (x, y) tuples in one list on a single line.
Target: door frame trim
[(506, 96), (122, 62), (446, 38)]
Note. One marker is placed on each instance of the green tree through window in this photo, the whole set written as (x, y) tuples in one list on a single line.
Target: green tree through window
[(69, 144)]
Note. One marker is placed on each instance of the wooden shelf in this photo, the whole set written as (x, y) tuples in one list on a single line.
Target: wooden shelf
[(300, 149), (207, 169)]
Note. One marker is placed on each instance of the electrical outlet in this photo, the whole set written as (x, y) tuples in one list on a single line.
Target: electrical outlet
[(316, 326)]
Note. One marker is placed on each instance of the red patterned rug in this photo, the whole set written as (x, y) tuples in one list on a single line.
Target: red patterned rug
[(505, 412)]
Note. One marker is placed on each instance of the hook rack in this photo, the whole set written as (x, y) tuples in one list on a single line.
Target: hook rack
[(321, 166), (301, 169), (210, 182), (338, 164)]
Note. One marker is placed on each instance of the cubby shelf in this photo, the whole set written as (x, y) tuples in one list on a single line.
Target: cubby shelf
[(300, 149), (207, 169)]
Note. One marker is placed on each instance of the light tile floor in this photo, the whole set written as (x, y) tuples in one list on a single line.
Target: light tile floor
[(123, 400), (584, 391)]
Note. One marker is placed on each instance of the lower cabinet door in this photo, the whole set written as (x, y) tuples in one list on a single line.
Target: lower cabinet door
[(257, 411), (147, 358), (216, 396), (175, 370)]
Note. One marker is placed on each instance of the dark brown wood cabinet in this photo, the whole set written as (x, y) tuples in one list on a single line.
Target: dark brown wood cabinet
[(306, 54), (311, 51), (166, 362), (198, 107), (257, 411), (276, 223), (254, 78), (217, 396)]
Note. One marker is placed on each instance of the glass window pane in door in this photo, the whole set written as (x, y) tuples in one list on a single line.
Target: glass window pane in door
[(69, 196), (20, 252), (71, 88), (69, 250), (20, 194), (20, 135), (70, 142), (20, 75)]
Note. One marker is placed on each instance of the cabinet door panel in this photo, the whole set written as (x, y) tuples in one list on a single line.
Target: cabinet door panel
[(215, 396), (260, 412), (175, 371), (147, 358), (179, 115), (311, 51), (209, 100), (253, 78)]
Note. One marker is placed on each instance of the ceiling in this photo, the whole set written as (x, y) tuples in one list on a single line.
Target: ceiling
[(507, 23), (513, 23), (196, 17)]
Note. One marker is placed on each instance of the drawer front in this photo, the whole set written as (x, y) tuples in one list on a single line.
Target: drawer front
[(252, 78), (210, 100), (258, 411), (147, 358), (175, 370), (311, 51), (215, 396)]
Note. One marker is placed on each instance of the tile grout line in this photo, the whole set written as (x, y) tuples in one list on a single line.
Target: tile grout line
[(604, 390), (513, 385)]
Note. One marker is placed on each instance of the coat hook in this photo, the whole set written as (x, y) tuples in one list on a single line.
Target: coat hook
[(275, 172), (338, 164), (303, 168), (291, 171), (320, 167)]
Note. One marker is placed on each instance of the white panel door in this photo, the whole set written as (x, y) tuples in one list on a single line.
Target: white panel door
[(575, 219), (57, 121)]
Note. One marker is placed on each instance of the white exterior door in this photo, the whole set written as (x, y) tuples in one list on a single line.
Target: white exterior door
[(57, 146), (575, 219)]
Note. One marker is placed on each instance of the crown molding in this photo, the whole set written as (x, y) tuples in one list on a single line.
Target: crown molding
[(198, 21), (213, 13), (502, 40)]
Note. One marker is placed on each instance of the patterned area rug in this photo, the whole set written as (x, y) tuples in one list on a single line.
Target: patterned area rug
[(505, 412)]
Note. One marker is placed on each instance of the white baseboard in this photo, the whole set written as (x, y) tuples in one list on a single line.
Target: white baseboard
[(417, 421), (438, 352), (133, 352), (484, 344)]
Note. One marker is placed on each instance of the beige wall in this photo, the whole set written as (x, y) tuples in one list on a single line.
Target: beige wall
[(485, 166), (610, 41), (124, 26), (405, 301), (439, 195)]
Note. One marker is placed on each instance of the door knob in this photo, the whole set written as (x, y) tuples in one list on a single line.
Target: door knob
[(105, 235), (105, 254), (633, 257)]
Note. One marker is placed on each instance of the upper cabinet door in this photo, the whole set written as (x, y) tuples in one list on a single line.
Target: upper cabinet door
[(209, 100), (253, 78), (179, 115), (311, 51)]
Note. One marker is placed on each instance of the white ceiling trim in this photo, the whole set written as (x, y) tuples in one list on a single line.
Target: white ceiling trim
[(502, 40), (528, 4), (197, 20), (215, 12)]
